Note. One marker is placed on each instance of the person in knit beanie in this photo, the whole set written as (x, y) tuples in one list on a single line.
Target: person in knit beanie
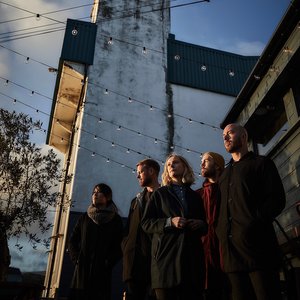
[(216, 286)]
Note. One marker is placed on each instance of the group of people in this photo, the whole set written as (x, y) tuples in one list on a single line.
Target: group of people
[(217, 242)]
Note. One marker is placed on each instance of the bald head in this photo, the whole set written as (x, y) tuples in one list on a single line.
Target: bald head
[(235, 139)]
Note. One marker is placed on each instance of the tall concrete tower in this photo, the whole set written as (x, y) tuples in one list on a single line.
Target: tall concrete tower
[(126, 83)]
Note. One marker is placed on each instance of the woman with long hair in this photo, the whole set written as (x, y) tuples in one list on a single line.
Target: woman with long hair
[(175, 219), (95, 247)]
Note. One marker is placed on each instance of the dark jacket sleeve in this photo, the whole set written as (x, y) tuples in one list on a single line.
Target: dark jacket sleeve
[(74, 245), (127, 225), (273, 199), (153, 220)]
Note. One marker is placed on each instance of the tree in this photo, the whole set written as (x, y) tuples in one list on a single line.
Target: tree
[(28, 178)]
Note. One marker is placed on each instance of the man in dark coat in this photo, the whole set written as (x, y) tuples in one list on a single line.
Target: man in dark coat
[(136, 244), (252, 195)]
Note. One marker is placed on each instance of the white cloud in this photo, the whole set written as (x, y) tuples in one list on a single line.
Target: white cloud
[(248, 48)]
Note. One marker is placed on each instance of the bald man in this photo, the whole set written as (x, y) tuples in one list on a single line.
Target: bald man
[(252, 195)]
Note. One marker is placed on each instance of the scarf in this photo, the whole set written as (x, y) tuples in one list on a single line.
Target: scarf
[(102, 215)]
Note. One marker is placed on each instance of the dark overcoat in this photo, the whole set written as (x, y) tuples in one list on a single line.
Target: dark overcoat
[(136, 244), (94, 249), (252, 195), (174, 250)]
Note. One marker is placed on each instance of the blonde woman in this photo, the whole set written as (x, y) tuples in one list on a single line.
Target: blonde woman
[(175, 219)]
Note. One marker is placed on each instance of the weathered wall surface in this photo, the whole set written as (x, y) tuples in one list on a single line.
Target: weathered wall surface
[(125, 71)]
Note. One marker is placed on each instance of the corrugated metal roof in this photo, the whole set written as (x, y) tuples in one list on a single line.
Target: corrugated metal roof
[(79, 42), (207, 69)]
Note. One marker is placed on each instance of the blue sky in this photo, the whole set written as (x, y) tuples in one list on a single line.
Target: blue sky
[(242, 27)]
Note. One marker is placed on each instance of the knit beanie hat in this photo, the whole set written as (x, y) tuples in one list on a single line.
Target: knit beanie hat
[(219, 160)]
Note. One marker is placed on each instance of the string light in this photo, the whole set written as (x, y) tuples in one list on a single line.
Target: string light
[(74, 31), (177, 57), (37, 17), (106, 92), (110, 41), (6, 82), (203, 68), (119, 128), (129, 100), (27, 60), (144, 50), (95, 137), (139, 133), (93, 152), (231, 73)]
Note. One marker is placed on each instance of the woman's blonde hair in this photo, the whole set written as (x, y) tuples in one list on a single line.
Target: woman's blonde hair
[(188, 175)]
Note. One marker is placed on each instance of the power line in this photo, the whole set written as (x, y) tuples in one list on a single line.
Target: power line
[(105, 20)]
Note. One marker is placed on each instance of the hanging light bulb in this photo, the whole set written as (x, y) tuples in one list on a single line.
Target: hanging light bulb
[(93, 154), (32, 93), (106, 92), (95, 137), (190, 120), (37, 17), (100, 120), (112, 144), (129, 100), (128, 151), (74, 31), (27, 60), (107, 160), (6, 82), (110, 41), (119, 128), (231, 73), (151, 107), (144, 50), (177, 57), (15, 101), (123, 166), (203, 68), (155, 141), (169, 115)]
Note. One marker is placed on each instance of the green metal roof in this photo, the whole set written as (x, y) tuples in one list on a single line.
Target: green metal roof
[(207, 69), (79, 42)]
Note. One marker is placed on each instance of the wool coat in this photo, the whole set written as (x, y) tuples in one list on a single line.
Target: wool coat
[(136, 244), (252, 195), (177, 254), (94, 249)]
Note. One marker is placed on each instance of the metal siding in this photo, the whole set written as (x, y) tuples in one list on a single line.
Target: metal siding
[(79, 48), (187, 71)]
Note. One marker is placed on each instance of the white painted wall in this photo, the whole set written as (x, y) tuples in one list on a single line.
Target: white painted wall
[(202, 106)]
